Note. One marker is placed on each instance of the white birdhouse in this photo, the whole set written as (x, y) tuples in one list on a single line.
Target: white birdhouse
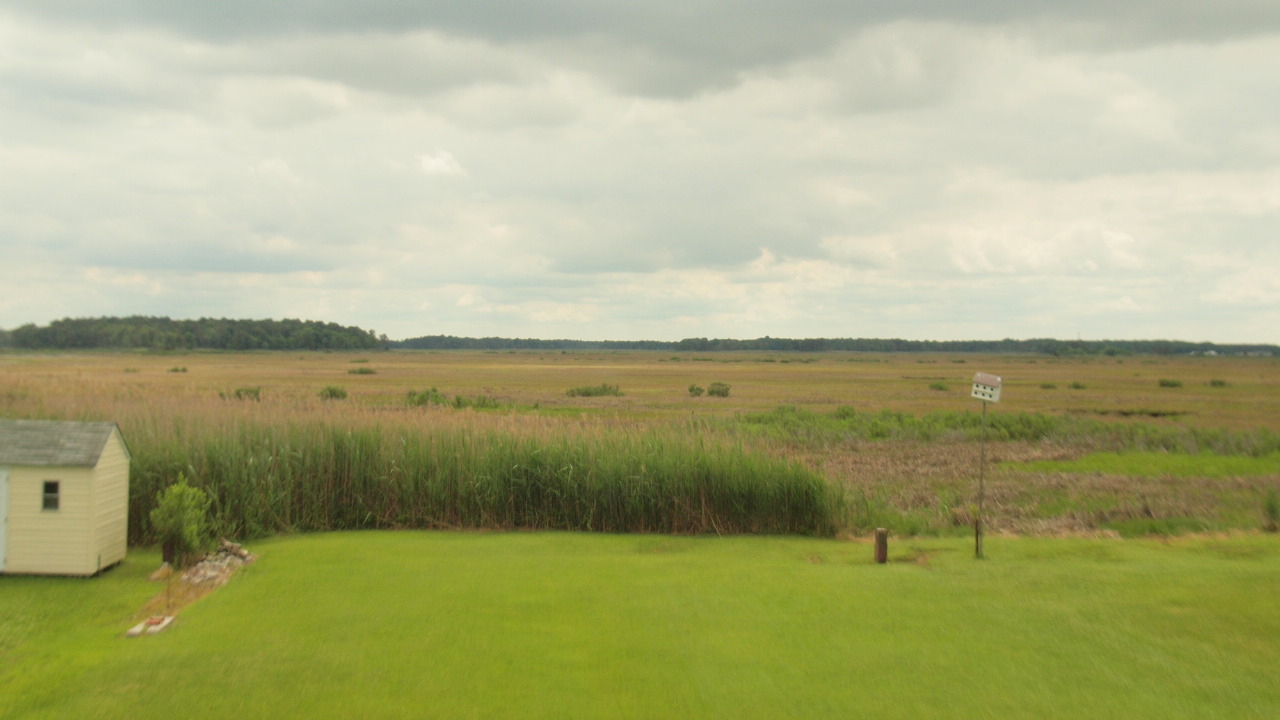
[(986, 387)]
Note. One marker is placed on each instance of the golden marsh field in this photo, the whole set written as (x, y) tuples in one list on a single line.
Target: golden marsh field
[(895, 433)]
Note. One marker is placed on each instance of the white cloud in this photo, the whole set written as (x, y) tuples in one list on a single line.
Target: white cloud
[(441, 162)]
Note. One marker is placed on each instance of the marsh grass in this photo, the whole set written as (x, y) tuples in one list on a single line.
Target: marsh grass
[(430, 396), (244, 393), (1164, 464), (793, 424), (302, 477), (601, 390), (906, 456), (476, 402)]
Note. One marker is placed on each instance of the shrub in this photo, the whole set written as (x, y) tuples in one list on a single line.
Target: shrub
[(1076, 386), (333, 392), (479, 402), (1217, 382), (594, 390), (696, 390), (718, 389), (1048, 386), (177, 369), (361, 371), (427, 397), (1170, 383), (248, 393), (940, 386), (178, 520)]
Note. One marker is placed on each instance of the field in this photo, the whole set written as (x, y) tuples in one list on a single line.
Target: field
[(675, 616), (534, 625), (896, 434)]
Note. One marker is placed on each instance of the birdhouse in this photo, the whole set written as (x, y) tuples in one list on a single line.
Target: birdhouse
[(986, 387)]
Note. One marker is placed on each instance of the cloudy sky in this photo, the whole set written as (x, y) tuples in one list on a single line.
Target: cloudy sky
[(606, 169)]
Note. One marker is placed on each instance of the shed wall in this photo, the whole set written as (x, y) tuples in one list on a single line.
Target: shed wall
[(46, 541), (111, 503)]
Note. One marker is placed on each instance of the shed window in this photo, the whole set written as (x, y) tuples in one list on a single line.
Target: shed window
[(50, 501)]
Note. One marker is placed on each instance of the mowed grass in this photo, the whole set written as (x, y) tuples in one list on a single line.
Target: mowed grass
[(557, 625)]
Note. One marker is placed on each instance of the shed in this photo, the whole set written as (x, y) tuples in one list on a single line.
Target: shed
[(64, 497)]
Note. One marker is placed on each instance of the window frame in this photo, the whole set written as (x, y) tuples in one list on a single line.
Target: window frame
[(51, 496)]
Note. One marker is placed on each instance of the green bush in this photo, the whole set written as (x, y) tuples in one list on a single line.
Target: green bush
[(1170, 383), (333, 392), (248, 393), (1076, 386), (1218, 383), (696, 390), (479, 402), (361, 371), (594, 390), (940, 386), (427, 397), (178, 520), (1048, 386), (718, 389)]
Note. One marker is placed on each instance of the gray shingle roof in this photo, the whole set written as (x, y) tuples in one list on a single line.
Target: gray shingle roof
[(52, 442)]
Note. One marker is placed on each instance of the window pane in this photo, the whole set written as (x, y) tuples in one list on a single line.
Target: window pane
[(50, 495)]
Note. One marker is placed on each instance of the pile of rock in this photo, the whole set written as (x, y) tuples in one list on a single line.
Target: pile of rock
[(218, 565)]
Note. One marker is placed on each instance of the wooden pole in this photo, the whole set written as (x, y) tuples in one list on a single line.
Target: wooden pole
[(982, 470), (882, 545)]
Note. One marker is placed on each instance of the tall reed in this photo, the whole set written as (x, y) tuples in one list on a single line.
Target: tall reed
[(299, 477)]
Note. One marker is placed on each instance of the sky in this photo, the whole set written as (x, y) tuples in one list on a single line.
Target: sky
[(606, 169)]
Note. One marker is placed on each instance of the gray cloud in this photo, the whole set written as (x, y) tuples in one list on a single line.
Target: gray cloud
[(611, 170), (663, 49)]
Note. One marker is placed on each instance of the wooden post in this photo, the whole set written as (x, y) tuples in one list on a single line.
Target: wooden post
[(882, 545), (982, 471)]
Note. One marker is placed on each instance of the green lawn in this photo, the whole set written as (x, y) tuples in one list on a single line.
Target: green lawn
[(555, 625)]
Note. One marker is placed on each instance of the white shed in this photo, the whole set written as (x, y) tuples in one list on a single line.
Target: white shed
[(64, 497)]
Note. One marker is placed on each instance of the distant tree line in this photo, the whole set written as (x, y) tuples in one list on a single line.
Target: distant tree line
[(162, 333), (450, 342), (1040, 346)]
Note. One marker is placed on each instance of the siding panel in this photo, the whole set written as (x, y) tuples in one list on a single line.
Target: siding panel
[(111, 503), (44, 541)]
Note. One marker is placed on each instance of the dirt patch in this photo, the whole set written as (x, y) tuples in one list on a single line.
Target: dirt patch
[(185, 587)]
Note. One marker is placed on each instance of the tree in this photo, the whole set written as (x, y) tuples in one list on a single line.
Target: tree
[(178, 520)]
